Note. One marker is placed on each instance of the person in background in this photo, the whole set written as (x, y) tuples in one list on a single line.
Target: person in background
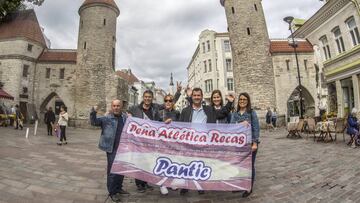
[(63, 122), (111, 128), (49, 119), (274, 118), (245, 115), (353, 127), (18, 118), (268, 119)]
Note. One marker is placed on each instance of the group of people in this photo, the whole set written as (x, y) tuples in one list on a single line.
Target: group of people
[(60, 126), (196, 112)]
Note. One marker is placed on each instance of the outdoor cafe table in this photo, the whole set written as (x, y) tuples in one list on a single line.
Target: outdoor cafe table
[(292, 129), (325, 128)]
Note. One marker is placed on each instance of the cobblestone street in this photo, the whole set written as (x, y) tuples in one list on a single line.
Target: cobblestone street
[(37, 170)]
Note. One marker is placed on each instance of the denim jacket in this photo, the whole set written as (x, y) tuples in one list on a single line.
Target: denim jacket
[(108, 126), (250, 117)]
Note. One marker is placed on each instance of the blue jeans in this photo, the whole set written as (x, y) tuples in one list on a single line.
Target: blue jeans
[(114, 181), (253, 168)]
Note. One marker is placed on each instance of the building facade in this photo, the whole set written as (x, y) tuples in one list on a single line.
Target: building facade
[(284, 70), (211, 65), (334, 33), (39, 77)]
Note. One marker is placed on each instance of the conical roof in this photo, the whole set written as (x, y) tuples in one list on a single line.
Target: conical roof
[(107, 2)]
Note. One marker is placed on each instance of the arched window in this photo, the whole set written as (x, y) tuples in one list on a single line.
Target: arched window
[(338, 39), (325, 47), (354, 31)]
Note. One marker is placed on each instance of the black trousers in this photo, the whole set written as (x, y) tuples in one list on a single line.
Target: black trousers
[(140, 183), (114, 181), (49, 128), (62, 133)]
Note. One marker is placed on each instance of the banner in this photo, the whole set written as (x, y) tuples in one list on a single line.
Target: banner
[(186, 155)]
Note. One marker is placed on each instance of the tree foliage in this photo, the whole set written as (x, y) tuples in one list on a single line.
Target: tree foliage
[(8, 6)]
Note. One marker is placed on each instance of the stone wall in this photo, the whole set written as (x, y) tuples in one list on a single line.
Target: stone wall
[(253, 71)]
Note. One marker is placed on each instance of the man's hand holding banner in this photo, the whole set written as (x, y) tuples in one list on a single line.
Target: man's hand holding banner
[(186, 155)]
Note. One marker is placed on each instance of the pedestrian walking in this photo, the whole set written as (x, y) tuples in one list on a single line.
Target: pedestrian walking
[(111, 128), (19, 118), (49, 119), (245, 115), (63, 122), (274, 118), (268, 119)]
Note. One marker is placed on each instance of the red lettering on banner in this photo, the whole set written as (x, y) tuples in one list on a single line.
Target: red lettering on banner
[(215, 137), (242, 140), (182, 137), (152, 133), (235, 139), (138, 131), (222, 139), (163, 134), (176, 135), (196, 138), (203, 138), (133, 127)]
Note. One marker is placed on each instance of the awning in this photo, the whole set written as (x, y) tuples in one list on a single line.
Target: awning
[(5, 95)]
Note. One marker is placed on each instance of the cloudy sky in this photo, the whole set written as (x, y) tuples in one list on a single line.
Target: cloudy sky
[(157, 37)]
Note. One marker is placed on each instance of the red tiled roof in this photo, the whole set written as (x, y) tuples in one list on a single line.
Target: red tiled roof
[(58, 56), (108, 2), (129, 77), (282, 46), (22, 24), (5, 95)]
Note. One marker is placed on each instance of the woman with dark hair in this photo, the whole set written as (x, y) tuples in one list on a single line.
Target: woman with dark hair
[(247, 116), (216, 101), (63, 122)]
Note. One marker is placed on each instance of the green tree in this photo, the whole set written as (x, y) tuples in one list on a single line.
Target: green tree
[(8, 6)]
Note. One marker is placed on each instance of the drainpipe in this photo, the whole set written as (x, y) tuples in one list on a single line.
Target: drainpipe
[(356, 5)]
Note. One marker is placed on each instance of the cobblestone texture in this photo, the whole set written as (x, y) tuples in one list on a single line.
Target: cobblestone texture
[(37, 170)]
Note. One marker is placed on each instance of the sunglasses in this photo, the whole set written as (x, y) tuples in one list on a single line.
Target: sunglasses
[(168, 100), (242, 99)]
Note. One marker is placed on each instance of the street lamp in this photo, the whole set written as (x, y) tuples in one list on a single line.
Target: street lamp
[(289, 20)]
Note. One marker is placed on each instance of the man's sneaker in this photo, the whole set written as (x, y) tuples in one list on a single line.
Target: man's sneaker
[(164, 190), (183, 191), (123, 192), (141, 189), (148, 187), (59, 143), (201, 192), (116, 197), (65, 142)]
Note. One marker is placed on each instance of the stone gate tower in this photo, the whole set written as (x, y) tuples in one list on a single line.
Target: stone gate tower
[(253, 71), (95, 56)]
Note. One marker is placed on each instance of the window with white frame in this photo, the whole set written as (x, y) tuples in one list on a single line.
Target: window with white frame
[(228, 65), (339, 40), (208, 45), (208, 85), (230, 84), (227, 46), (325, 47), (354, 31), (203, 47)]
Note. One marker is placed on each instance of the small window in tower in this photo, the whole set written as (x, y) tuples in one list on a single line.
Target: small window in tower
[(82, 24), (48, 71), (29, 48), (287, 64), (104, 21), (233, 10), (84, 45), (62, 73), (113, 58), (248, 31), (255, 6)]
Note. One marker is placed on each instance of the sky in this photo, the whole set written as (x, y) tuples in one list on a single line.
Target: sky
[(158, 37)]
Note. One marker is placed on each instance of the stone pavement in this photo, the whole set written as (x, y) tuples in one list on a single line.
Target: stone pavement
[(37, 170)]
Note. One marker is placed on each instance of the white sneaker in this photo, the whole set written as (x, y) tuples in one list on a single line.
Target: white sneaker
[(164, 190)]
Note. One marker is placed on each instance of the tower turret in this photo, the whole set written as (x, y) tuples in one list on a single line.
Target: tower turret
[(253, 71), (95, 55)]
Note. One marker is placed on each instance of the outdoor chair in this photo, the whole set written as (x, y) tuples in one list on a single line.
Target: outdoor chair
[(299, 128), (311, 127), (340, 127)]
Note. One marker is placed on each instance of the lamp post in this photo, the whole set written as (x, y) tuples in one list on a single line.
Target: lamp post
[(289, 20)]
